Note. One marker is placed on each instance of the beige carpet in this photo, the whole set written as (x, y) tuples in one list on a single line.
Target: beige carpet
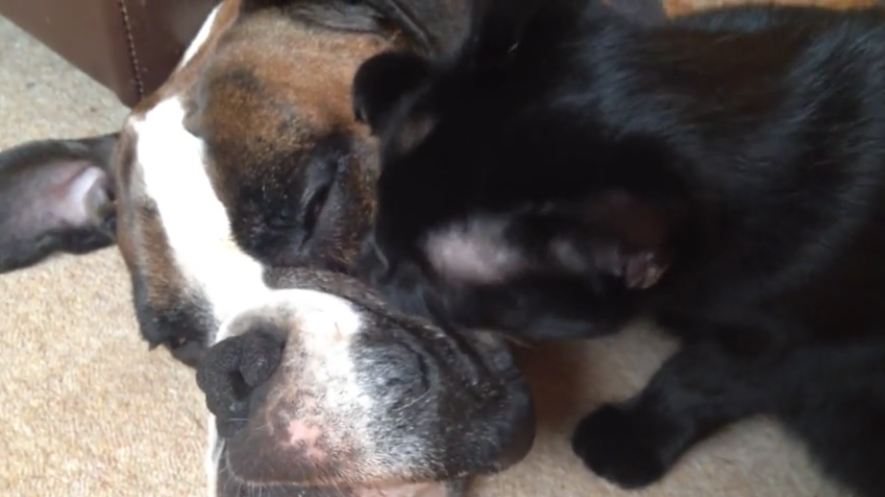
[(86, 411)]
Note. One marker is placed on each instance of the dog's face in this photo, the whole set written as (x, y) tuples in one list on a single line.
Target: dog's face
[(364, 402), (246, 159), (499, 201), (244, 169)]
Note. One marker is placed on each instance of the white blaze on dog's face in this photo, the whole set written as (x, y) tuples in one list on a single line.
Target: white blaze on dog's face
[(241, 162), (173, 170), (244, 167)]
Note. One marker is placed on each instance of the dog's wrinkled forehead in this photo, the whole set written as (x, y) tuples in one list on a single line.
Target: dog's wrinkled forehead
[(248, 157), (274, 108)]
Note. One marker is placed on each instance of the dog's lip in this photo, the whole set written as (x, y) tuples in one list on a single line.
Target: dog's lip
[(417, 489), (369, 301), (489, 354), (446, 488)]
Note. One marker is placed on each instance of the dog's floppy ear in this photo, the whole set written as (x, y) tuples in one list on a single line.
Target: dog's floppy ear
[(55, 196), (434, 26), (430, 27)]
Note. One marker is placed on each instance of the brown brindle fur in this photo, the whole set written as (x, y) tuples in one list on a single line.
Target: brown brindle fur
[(258, 112), (269, 95), (262, 90), (268, 85), (140, 236), (185, 75)]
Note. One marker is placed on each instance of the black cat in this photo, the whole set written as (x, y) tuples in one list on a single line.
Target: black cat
[(723, 173)]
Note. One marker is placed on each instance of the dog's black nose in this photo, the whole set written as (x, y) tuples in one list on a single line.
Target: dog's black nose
[(232, 369)]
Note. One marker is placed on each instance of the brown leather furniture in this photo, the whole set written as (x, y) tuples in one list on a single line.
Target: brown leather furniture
[(130, 46)]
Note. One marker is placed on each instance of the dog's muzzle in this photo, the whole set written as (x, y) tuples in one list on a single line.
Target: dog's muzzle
[(324, 390)]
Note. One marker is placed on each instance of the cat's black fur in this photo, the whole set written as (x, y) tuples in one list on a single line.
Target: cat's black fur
[(723, 173)]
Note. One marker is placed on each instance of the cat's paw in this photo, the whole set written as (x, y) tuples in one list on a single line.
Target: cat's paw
[(620, 446)]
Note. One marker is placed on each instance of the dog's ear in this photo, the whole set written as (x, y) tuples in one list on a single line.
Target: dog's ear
[(426, 26), (55, 196), (435, 27)]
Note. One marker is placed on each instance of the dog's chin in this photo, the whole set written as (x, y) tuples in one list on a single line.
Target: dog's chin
[(433, 489), (412, 490), (404, 490), (228, 485)]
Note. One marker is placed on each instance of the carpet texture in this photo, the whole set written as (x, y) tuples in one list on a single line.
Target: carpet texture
[(87, 411)]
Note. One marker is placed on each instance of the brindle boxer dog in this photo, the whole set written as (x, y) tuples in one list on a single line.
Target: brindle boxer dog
[(246, 167)]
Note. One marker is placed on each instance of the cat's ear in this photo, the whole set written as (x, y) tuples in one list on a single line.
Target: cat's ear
[(55, 196), (382, 82)]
